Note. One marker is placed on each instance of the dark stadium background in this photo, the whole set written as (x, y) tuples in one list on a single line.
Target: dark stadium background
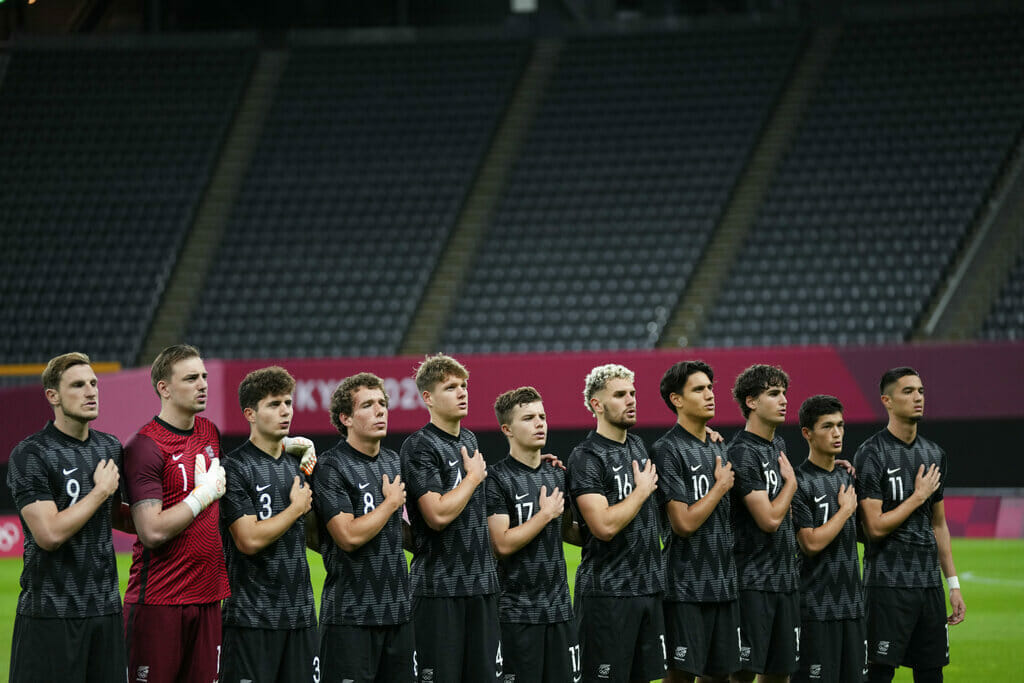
[(320, 179)]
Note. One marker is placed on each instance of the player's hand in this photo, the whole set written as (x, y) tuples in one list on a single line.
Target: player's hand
[(105, 478), (304, 449), (551, 504), (785, 469), (848, 466), (847, 498), (927, 483), (724, 475), (553, 460), (210, 485), (301, 496), (474, 465), (713, 435), (394, 491), (956, 601), (646, 479)]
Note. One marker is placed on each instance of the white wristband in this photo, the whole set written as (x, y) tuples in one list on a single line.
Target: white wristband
[(953, 582), (193, 504)]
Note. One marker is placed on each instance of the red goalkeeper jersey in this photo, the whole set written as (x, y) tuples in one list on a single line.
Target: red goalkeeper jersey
[(189, 569)]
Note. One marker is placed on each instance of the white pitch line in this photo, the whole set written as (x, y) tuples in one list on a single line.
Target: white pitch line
[(973, 578)]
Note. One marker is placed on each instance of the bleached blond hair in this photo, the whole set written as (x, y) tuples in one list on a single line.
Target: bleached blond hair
[(598, 378)]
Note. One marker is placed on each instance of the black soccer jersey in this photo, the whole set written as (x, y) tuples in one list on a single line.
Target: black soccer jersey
[(79, 579), (886, 470), (764, 562), (534, 589), (370, 585), (830, 586), (270, 589), (630, 564), (456, 561), (700, 568)]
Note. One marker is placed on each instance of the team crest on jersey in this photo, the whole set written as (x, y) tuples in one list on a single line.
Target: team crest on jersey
[(142, 673), (883, 647), (209, 452), (604, 670), (680, 653), (815, 671)]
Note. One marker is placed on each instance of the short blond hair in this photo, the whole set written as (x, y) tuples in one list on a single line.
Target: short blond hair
[(436, 368), (599, 377), (56, 368), (505, 404)]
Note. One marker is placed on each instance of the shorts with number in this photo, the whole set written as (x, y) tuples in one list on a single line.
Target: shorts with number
[(457, 639), (259, 654), (769, 632), (540, 653), (168, 643), (621, 639), (703, 637), (86, 649), (833, 652), (907, 626), (367, 653)]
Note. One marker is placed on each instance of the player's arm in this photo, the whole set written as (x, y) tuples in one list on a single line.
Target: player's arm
[(507, 540), (571, 528), (251, 535), (941, 530), (687, 518), (52, 528), (604, 520), (121, 515), (879, 524), (440, 510), (812, 540), (769, 514), (312, 531), (351, 533)]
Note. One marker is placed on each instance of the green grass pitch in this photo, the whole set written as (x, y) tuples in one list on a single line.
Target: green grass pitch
[(988, 646)]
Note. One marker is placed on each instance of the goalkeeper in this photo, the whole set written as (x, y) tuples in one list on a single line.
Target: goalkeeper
[(178, 576)]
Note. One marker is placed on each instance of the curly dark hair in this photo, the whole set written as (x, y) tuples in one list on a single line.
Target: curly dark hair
[(755, 380)]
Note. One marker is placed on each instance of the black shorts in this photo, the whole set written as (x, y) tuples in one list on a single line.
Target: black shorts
[(259, 654), (621, 639), (86, 649), (540, 653), (703, 637), (769, 632), (833, 652), (367, 653), (457, 639), (907, 626)]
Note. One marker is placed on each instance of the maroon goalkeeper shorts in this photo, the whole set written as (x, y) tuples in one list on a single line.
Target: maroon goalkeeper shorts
[(168, 643)]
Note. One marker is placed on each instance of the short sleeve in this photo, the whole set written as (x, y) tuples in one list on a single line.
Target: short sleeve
[(749, 477), (329, 495), (26, 476), (802, 517), (496, 504), (869, 473), (236, 502), (671, 475), (143, 469), (585, 474), (939, 494), (422, 475)]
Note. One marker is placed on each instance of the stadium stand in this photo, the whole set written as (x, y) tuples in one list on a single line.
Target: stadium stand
[(360, 173), (1006, 319), (893, 162), (104, 154), (622, 178)]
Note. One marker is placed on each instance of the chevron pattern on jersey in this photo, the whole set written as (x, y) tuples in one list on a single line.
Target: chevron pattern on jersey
[(886, 470), (457, 560), (270, 589), (830, 585), (370, 585), (700, 568)]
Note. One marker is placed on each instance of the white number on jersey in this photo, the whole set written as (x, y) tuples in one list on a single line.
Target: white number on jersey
[(74, 489), (701, 485), (529, 511), (265, 511), (625, 485)]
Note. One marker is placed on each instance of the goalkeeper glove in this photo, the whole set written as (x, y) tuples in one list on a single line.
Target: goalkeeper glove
[(303, 448), (210, 485)]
